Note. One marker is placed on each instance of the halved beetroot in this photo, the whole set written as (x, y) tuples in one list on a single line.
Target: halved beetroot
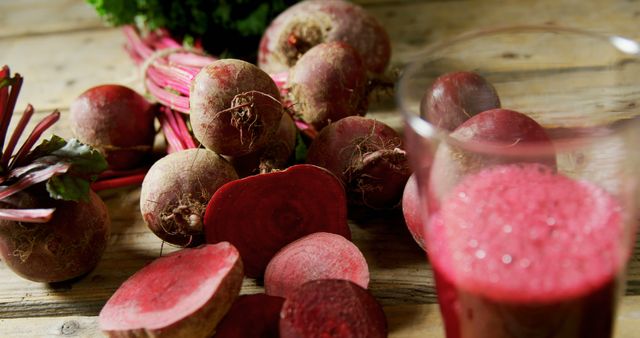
[(317, 256), (261, 214), (183, 294)]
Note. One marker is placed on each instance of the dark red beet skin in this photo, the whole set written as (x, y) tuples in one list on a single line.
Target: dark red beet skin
[(328, 83), (503, 127), (261, 214), (68, 246), (455, 97), (116, 120), (312, 22), (255, 316), (332, 308), (367, 156)]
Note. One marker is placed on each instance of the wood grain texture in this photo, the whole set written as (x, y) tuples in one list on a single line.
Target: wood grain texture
[(64, 54)]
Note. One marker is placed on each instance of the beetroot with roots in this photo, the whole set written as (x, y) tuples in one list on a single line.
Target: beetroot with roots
[(332, 308), (261, 214), (498, 126), (367, 156), (275, 155), (176, 190), (411, 210), (455, 97), (256, 315), (328, 83), (67, 246), (235, 107), (309, 23), (317, 256), (116, 120), (183, 294)]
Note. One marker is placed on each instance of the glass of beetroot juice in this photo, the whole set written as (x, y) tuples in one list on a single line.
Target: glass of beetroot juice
[(526, 146)]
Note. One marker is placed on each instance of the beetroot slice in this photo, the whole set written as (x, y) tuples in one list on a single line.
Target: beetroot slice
[(332, 308), (263, 213), (184, 294), (255, 315), (317, 256)]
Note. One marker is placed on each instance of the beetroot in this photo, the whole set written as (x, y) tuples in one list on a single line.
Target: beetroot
[(117, 121), (292, 203), (332, 308), (412, 210), (328, 83), (317, 256), (508, 128), (67, 246), (183, 294), (235, 107), (256, 315), (366, 155), (310, 23), (275, 155), (176, 190), (455, 97)]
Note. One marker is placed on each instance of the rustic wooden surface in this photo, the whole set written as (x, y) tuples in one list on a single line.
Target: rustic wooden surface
[(62, 48)]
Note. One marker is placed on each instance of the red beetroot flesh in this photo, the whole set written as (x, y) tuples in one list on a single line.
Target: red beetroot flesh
[(411, 210), (116, 120), (504, 127), (235, 107), (183, 294), (254, 315), (328, 83), (332, 308), (263, 213), (68, 246), (317, 256), (455, 97), (309, 23), (520, 251), (367, 156)]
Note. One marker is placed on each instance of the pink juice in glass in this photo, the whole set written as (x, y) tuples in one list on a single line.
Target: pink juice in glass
[(521, 251)]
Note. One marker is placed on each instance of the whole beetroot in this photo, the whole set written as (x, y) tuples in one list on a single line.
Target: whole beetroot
[(328, 83), (455, 97), (312, 22), (176, 190), (117, 121), (504, 127), (275, 155), (367, 156), (67, 246), (235, 107)]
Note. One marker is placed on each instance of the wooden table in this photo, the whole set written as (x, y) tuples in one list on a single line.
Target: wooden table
[(62, 48)]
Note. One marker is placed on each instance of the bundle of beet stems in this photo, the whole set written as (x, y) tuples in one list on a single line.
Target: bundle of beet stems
[(168, 69)]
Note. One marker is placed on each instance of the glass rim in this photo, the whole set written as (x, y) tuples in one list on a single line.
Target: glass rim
[(425, 129)]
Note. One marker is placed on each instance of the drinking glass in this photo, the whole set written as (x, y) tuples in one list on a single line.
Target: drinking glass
[(529, 220)]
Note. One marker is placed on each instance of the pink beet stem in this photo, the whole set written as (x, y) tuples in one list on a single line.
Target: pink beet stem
[(17, 132), (17, 172), (280, 78), (136, 43), (34, 177), (119, 182), (174, 141), (191, 60), (27, 215), (168, 99), (10, 106), (174, 73), (180, 130), (121, 173), (39, 129)]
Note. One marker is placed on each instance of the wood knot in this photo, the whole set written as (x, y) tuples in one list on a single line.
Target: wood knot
[(69, 327)]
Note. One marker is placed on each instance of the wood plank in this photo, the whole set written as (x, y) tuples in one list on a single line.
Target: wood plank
[(35, 17), (405, 321)]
